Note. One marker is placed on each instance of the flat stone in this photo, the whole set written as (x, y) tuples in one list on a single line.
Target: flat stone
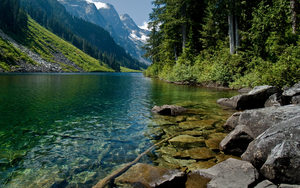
[(167, 150), (237, 141), (178, 162), (265, 184), (196, 153), (144, 175), (289, 93), (230, 173), (203, 125), (169, 110), (288, 186), (295, 99), (186, 141)]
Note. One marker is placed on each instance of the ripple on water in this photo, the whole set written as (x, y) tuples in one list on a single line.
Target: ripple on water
[(72, 130)]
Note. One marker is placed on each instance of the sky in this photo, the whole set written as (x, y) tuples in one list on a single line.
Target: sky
[(138, 10)]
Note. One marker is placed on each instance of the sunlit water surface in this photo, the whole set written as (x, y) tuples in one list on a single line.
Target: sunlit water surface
[(74, 129)]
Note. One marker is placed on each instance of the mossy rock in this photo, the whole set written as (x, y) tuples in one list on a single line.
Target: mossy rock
[(187, 141), (200, 153)]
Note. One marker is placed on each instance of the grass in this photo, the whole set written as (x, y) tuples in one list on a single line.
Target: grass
[(45, 43), (124, 69), (9, 56)]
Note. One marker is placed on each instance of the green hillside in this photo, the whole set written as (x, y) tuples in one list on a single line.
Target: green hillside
[(51, 48), (45, 43)]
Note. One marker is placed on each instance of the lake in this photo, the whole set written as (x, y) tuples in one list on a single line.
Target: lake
[(74, 129)]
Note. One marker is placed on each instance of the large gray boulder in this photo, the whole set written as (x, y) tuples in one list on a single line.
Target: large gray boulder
[(229, 173), (256, 98), (283, 163), (274, 100), (276, 152), (259, 120), (265, 184), (169, 110), (289, 95), (233, 121), (147, 176), (251, 123), (236, 142)]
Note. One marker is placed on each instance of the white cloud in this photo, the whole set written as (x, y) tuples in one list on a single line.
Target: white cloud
[(99, 5), (144, 26)]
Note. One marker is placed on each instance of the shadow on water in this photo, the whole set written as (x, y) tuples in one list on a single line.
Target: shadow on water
[(72, 129)]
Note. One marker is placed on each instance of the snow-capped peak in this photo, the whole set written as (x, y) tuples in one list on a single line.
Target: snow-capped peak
[(145, 26), (98, 4)]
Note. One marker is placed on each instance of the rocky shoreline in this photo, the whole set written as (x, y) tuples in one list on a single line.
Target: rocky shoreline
[(265, 133)]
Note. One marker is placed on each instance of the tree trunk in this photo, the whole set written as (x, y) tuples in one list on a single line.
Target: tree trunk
[(175, 53), (294, 16), (183, 36), (237, 37), (231, 34)]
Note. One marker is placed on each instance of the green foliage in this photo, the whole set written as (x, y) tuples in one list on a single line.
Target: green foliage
[(9, 56), (45, 43), (268, 52)]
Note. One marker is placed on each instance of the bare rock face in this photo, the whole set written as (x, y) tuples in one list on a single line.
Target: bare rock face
[(259, 120), (265, 184), (233, 121), (290, 94), (276, 152), (236, 142), (147, 176), (274, 100), (168, 110), (283, 163), (256, 98), (228, 174)]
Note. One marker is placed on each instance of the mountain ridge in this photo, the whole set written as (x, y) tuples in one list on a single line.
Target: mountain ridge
[(129, 36)]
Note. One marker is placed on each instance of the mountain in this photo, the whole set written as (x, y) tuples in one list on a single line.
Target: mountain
[(121, 27), (88, 37)]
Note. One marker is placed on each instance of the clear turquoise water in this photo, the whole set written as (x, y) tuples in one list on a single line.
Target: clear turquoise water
[(76, 128)]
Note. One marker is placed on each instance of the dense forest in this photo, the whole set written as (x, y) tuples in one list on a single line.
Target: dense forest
[(89, 38), (225, 42)]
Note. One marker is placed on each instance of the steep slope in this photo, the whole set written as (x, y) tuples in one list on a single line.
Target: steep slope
[(122, 28), (88, 37), (42, 51)]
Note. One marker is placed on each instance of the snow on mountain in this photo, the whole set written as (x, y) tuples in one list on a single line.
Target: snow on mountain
[(122, 28), (98, 5)]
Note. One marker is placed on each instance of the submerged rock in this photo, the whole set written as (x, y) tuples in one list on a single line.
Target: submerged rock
[(196, 153), (199, 125), (277, 152), (187, 141), (236, 142), (169, 110), (256, 98), (214, 140), (144, 175), (230, 173)]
